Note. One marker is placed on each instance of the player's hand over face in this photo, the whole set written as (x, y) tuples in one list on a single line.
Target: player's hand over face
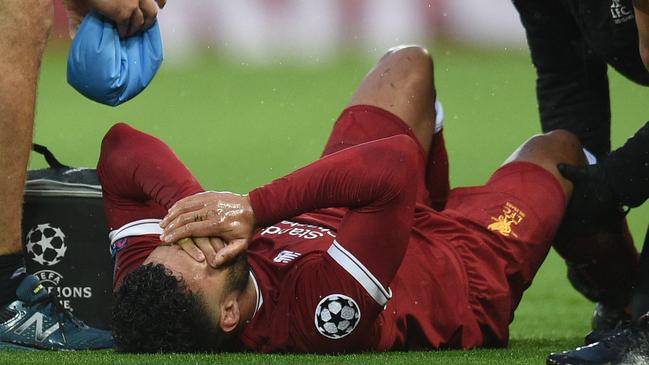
[(592, 197), (130, 16), (227, 216), (202, 248)]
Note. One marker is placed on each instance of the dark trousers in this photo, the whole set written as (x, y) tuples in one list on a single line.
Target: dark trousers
[(571, 44)]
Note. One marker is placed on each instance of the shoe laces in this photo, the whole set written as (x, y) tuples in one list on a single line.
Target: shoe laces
[(58, 311)]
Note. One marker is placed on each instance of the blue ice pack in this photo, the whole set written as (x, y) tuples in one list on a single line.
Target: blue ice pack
[(110, 70)]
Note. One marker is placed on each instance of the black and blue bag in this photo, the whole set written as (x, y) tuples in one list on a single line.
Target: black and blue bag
[(66, 238)]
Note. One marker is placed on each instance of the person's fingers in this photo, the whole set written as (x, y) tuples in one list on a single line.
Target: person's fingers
[(123, 28), (182, 206), (136, 22), (194, 229), (197, 216), (183, 219), (73, 25), (150, 11), (205, 245), (76, 11), (188, 245), (572, 173), (161, 3), (217, 243), (230, 251), (173, 217)]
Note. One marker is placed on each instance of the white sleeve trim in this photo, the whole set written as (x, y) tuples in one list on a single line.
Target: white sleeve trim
[(360, 273), (136, 228)]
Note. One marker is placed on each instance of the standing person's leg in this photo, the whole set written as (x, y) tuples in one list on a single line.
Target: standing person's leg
[(24, 29), (573, 94), (640, 301)]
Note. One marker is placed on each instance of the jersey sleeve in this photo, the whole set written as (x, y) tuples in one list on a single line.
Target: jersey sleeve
[(627, 169), (374, 181)]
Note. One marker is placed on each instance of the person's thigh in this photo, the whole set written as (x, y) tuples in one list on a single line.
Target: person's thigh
[(513, 219), (402, 83), (508, 227), (396, 97), (365, 123), (24, 28), (520, 207)]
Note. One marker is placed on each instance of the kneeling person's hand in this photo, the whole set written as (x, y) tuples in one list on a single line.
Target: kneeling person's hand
[(592, 198)]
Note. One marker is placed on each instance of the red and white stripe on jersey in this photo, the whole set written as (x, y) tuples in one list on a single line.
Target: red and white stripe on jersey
[(136, 228), (360, 273)]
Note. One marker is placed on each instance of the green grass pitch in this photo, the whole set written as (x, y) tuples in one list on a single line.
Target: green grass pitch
[(238, 126)]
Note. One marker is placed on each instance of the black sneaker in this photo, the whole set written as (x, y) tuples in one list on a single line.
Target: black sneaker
[(606, 322), (38, 321), (627, 345)]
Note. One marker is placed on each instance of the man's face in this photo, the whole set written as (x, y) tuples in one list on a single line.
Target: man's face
[(210, 284)]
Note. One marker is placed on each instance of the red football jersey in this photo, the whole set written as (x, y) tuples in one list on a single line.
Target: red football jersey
[(303, 272), (327, 276), (386, 272)]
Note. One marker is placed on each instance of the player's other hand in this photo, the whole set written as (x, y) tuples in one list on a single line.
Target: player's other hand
[(227, 216), (130, 16), (202, 248), (593, 198)]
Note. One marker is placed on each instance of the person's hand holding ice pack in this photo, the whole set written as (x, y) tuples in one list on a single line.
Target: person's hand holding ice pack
[(110, 63)]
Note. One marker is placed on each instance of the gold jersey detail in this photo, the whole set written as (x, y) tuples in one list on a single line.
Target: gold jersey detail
[(511, 216)]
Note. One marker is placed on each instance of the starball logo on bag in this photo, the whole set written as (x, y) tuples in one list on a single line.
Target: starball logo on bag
[(46, 245)]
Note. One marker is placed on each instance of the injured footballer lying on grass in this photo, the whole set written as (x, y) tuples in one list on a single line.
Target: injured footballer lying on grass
[(366, 248)]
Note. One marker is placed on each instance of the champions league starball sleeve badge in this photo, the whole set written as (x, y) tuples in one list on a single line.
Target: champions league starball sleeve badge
[(110, 70)]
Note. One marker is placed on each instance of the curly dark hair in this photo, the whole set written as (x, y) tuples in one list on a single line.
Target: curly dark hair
[(155, 312)]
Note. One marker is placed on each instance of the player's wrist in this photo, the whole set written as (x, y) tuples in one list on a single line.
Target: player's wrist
[(248, 213)]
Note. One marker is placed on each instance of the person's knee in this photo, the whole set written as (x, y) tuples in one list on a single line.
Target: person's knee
[(415, 62), (414, 52), (549, 149), (567, 145), (28, 22), (117, 133)]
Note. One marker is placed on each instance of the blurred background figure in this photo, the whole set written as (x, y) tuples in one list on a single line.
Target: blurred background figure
[(261, 31)]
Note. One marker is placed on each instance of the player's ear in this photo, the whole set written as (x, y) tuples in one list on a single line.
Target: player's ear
[(230, 314)]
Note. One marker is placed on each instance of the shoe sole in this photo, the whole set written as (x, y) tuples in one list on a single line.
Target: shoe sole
[(14, 346)]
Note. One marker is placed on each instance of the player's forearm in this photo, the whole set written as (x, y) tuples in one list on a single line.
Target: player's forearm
[(627, 169), (361, 177), (641, 8)]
